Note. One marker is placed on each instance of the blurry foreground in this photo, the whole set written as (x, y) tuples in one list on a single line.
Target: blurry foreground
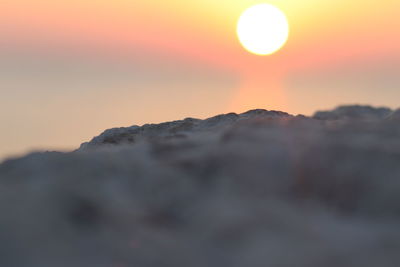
[(257, 189)]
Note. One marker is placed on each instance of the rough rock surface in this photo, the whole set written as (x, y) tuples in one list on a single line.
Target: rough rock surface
[(354, 112), (262, 188)]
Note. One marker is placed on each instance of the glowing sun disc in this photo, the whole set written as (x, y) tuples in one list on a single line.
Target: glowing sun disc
[(263, 29)]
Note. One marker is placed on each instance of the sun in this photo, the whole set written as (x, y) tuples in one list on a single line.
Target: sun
[(263, 29)]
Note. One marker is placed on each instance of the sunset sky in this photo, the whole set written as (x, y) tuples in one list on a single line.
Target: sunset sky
[(71, 69)]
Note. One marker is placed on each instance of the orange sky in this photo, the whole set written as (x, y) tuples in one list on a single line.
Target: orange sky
[(70, 69)]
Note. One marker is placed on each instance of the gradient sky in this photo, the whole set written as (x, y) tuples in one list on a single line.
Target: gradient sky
[(71, 69)]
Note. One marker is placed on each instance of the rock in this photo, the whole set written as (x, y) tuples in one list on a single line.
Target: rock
[(394, 116), (129, 135), (353, 112), (262, 188)]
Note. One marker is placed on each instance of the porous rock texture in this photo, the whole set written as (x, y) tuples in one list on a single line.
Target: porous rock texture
[(262, 188)]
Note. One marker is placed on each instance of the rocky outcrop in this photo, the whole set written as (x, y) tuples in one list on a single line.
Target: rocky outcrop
[(262, 188), (354, 112), (174, 129)]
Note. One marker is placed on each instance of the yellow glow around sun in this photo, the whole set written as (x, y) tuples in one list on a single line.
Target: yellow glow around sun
[(263, 29)]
